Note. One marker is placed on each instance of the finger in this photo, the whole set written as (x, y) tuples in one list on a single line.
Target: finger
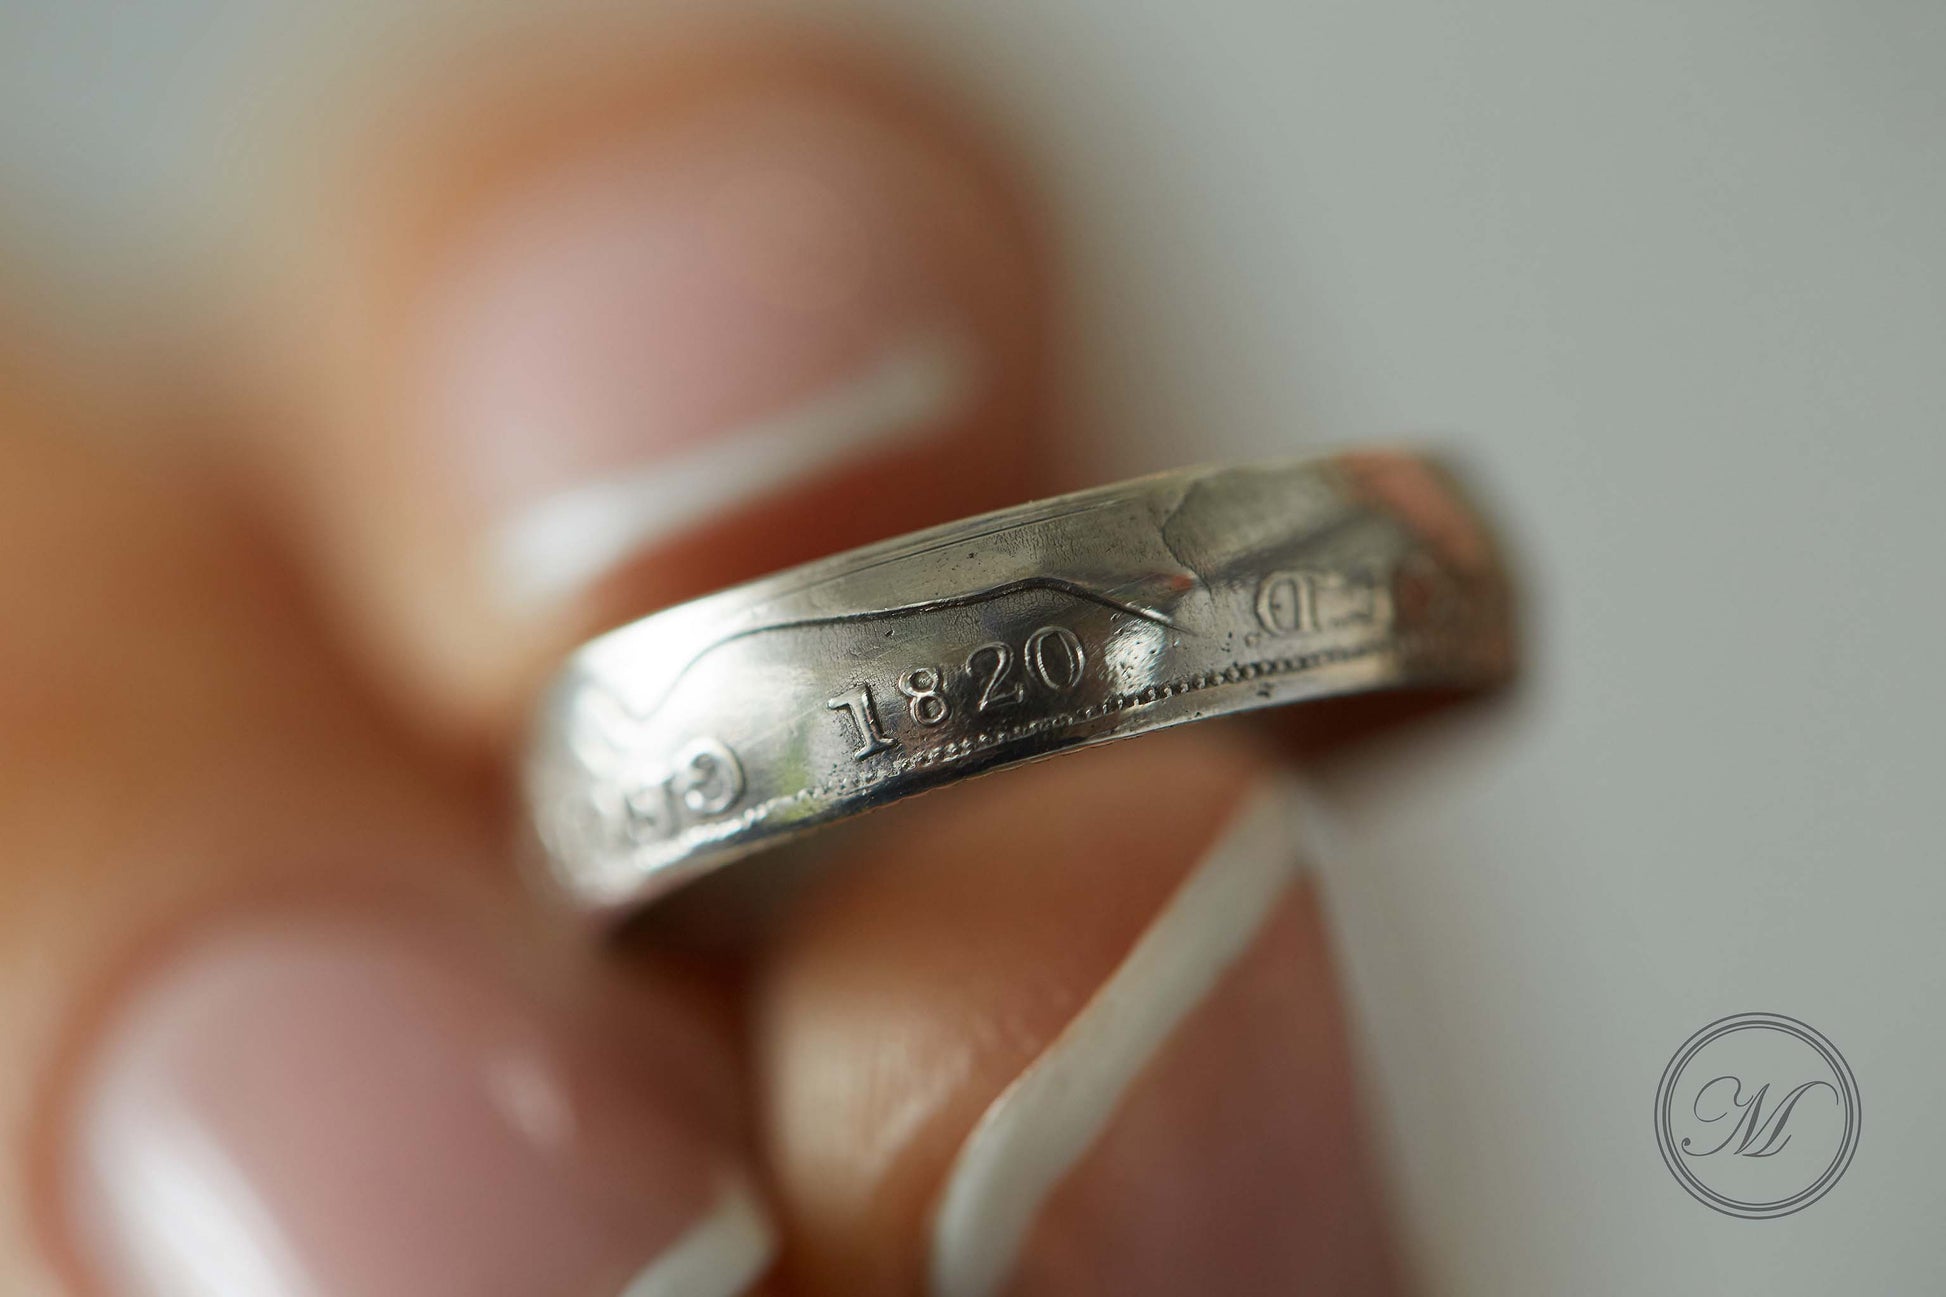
[(1071, 1030), (941, 464), (268, 1028), (620, 330)]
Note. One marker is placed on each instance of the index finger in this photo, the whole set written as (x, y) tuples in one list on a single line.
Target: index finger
[(614, 328)]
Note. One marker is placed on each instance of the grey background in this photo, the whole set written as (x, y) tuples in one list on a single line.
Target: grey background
[(1673, 274)]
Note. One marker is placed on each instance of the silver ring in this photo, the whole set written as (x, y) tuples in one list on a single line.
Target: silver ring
[(728, 724)]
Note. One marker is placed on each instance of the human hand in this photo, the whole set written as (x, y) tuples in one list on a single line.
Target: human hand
[(278, 1020)]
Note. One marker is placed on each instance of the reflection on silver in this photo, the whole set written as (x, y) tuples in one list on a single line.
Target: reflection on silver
[(712, 729)]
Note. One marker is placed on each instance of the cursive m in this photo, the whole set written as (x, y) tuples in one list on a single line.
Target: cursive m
[(1752, 1128)]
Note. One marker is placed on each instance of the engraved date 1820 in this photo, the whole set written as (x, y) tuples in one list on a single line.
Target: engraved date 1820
[(995, 676)]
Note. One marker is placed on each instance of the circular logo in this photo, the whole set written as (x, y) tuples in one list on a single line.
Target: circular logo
[(1757, 1115)]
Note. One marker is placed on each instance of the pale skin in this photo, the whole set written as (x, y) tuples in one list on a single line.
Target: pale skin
[(250, 667)]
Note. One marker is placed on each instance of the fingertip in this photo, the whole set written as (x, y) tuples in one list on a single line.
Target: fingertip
[(1069, 1030), (638, 326), (274, 1022), (344, 1097)]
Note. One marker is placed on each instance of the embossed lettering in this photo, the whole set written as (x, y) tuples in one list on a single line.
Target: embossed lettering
[(1287, 603), (997, 692), (921, 687), (706, 780), (859, 706), (997, 675), (1055, 656), (649, 811), (1305, 601), (708, 777)]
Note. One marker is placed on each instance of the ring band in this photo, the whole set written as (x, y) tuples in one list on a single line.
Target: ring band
[(717, 727)]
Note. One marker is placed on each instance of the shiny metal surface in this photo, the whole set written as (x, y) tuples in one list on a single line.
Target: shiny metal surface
[(720, 726)]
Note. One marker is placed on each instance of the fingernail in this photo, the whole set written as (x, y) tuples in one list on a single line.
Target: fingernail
[(337, 1107), (673, 323), (1174, 1136)]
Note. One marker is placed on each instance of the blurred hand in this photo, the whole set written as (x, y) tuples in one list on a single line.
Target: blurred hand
[(589, 335)]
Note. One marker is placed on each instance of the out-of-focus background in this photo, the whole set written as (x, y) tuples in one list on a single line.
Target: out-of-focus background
[(1672, 274)]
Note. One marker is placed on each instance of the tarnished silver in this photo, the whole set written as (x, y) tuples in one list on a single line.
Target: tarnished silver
[(727, 724)]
